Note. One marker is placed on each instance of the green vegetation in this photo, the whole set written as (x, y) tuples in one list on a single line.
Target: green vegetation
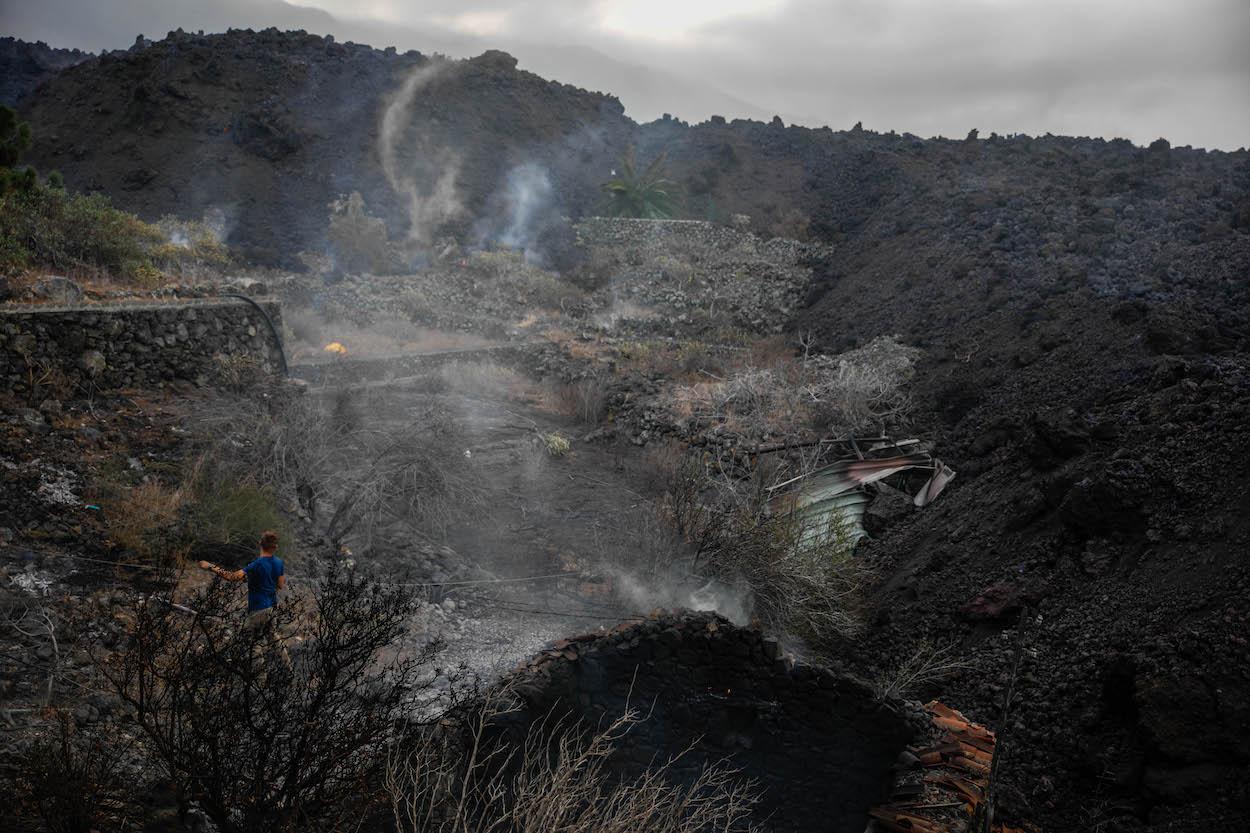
[(49, 227), (14, 141), (233, 515), (211, 509), (648, 194), (357, 239), (42, 225), (556, 444)]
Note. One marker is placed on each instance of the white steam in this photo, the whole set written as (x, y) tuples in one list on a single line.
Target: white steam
[(528, 194), (524, 206), (422, 160), (732, 602)]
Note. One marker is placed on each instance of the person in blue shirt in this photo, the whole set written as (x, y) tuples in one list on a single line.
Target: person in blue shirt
[(265, 576)]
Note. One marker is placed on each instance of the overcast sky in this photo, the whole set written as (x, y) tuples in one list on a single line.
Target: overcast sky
[(1138, 69)]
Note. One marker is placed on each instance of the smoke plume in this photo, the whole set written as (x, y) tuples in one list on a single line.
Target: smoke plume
[(529, 196), (418, 168), (519, 212)]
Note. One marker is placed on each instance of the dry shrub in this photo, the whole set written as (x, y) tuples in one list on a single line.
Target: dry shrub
[(217, 508), (481, 380), (773, 351), (689, 360), (585, 400), (777, 393), (800, 572), (508, 270), (238, 372), (144, 519), (265, 731), (556, 444), (681, 479), (556, 781), (417, 477), (350, 477), (927, 665), (862, 388), (754, 400), (46, 379)]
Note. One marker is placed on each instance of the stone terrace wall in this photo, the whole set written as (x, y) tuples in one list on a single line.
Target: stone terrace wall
[(125, 345), (820, 745), (694, 268)]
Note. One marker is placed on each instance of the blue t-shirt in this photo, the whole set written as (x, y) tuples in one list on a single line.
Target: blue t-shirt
[(262, 582)]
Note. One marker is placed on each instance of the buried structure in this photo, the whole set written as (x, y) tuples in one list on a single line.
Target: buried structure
[(824, 750)]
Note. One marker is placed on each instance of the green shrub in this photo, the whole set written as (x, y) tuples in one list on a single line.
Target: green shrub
[(232, 515), (44, 226), (358, 241)]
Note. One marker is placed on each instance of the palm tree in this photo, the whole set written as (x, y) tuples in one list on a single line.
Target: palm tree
[(650, 194)]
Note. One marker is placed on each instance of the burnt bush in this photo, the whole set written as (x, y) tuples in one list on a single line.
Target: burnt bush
[(264, 731), (73, 782)]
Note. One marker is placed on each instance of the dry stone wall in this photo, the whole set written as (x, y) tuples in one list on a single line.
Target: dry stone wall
[(819, 744), (125, 345)]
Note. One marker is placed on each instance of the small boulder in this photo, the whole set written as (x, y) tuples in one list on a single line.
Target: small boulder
[(92, 363), (998, 601), (33, 420), (58, 290)]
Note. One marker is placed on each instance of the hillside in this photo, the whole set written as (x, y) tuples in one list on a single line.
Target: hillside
[(24, 66), (270, 127), (1081, 308)]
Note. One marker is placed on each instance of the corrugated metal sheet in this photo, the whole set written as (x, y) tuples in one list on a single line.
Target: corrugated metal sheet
[(835, 493)]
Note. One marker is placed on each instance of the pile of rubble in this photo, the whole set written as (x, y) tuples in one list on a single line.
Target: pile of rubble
[(944, 784), (702, 272)]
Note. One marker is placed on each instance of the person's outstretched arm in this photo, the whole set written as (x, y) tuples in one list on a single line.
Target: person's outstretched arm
[(228, 575)]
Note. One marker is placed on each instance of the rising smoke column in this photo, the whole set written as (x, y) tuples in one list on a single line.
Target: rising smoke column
[(529, 199), (523, 207), (425, 159)]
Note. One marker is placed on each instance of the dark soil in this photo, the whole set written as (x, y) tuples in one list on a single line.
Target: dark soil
[(1083, 308), (1094, 522)]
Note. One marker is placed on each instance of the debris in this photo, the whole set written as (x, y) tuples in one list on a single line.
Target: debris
[(948, 795), (942, 474), (837, 491)]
